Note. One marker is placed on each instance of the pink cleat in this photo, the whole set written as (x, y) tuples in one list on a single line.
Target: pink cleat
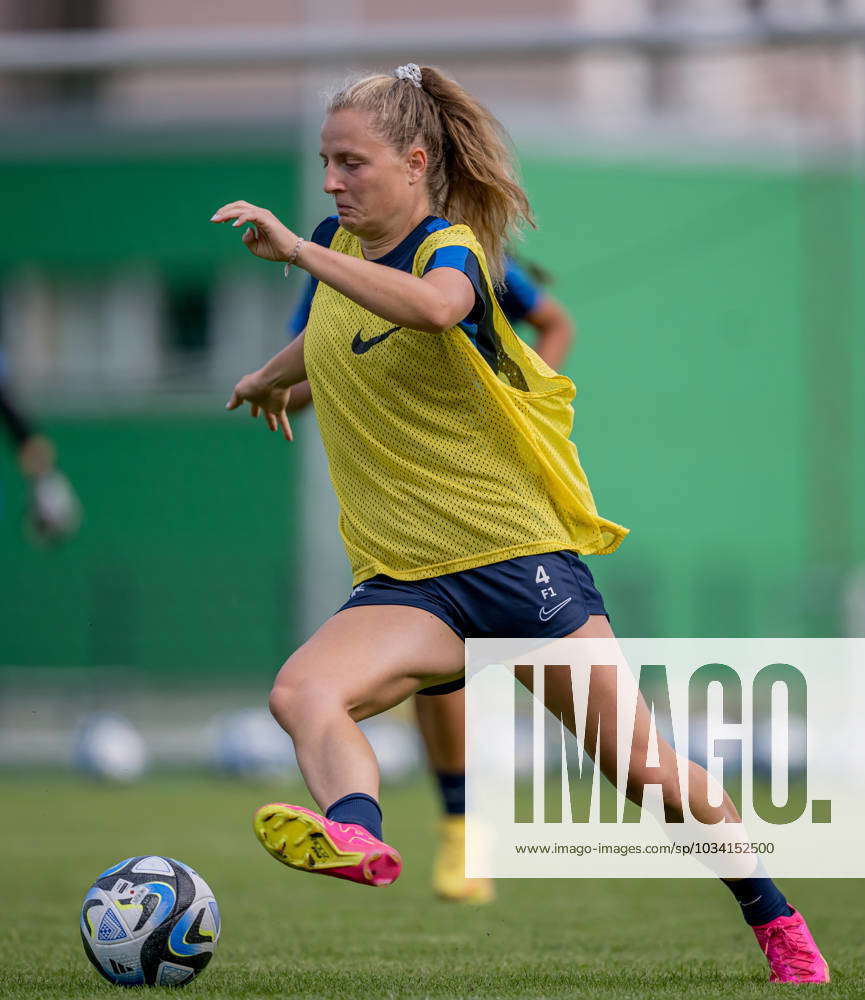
[(305, 840), (792, 953)]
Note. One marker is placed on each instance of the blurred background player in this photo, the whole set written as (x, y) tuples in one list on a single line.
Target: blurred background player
[(441, 719), (53, 511)]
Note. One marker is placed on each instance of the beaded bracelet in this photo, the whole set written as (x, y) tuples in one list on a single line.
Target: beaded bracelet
[(292, 257)]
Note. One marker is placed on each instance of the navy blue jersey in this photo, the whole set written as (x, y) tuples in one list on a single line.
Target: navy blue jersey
[(518, 299), (521, 295)]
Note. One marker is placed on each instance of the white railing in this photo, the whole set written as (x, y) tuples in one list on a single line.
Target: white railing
[(312, 46)]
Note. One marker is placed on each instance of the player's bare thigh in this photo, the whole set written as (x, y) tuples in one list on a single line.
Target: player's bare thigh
[(368, 659), (558, 693), (597, 627), (558, 696)]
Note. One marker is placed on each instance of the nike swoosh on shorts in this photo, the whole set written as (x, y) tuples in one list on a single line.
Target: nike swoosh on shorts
[(545, 615), (361, 346)]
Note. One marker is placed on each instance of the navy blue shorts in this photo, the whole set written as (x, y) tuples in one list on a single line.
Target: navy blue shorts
[(543, 596)]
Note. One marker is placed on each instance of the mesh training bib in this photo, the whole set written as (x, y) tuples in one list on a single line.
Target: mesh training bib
[(446, 451)]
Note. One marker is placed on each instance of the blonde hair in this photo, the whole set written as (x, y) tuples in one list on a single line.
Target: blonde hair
[(471, 176)]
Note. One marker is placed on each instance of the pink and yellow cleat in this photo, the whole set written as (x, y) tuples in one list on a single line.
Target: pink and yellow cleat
[(791, 951), (302, 839)]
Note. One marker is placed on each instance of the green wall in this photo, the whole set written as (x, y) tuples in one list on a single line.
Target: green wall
[(89, 212), (719, 413), (186, 557), (720, 385), (185, 561)]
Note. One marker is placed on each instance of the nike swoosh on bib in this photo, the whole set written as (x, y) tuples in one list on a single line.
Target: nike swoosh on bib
[(361, 346), (545, 615)]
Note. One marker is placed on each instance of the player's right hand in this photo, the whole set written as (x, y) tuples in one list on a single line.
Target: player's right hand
[(265, 398)]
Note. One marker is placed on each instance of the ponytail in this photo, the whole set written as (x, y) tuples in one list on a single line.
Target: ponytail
[(471, 175)]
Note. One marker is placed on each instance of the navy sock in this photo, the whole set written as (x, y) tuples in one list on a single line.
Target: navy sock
[(452, 785), (357, 807), (761, 900)]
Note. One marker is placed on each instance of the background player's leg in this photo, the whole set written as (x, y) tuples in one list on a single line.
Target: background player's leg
[(362, 661), (441, 720), (442, 723)]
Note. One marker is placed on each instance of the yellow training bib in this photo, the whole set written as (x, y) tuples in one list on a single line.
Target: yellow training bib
[(441, 463)]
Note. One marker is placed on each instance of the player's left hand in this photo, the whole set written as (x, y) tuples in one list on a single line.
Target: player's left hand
[(36, 456), (267, 238), (264, 398)]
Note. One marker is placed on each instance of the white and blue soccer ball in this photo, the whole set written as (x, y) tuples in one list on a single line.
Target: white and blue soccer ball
[(249, 743), (109, 747), (149, 921), (785, 744)]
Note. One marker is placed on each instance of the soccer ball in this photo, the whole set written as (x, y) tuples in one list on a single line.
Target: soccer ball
[(108, 746), (249, 743), (149, 921)]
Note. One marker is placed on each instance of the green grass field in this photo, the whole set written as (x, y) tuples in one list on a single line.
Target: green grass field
[(288, 934)]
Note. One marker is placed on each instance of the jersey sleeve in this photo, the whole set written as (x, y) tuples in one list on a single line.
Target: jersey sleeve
[(299, 318), (520, 295), (18, 428), (463, 259), (323, 236)]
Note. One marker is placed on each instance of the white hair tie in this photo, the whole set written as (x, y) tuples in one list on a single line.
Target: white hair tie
[(410, 72)]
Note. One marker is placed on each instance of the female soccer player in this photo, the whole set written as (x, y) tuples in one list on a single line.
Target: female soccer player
[(441, 719), (447, 440)]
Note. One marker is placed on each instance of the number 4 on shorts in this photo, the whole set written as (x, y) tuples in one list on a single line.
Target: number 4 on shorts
[(541, 575)]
